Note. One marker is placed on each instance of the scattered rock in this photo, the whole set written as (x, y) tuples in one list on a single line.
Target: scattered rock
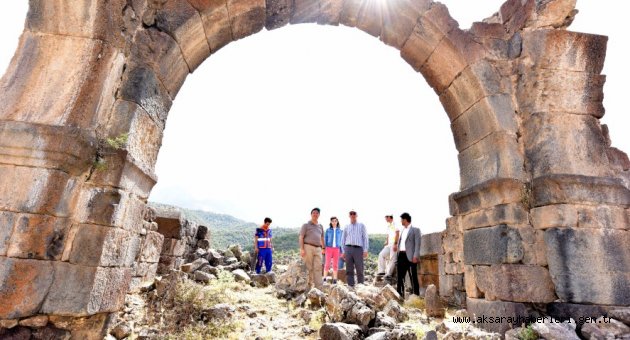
[(394, 310), (193, 266), (148, 333), (8, 324), (203, 244), (121, 331), (361, 314), (228, 253), (222, 311), (295, 280), (389, 293), (621, 314), (300, 300), (241, 276), (604, 328), (202, 232), (204, 277), (555, 329), (430, 335), (231, 260), (214, 257), (200, 253), (384, 321), (340, 331), (316, 297), (35, 321), (260, 280), (236, 250), (271, 276), (432, 302), (305, 315)]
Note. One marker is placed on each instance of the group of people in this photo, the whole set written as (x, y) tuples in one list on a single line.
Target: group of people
[(350, 245)]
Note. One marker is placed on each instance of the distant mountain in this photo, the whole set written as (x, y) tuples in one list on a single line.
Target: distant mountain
[(227, 230)]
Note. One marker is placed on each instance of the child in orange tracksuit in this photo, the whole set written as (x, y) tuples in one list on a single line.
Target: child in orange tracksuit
[(263, 246)]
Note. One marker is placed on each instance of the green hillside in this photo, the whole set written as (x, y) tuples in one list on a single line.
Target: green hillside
[(227, 230)]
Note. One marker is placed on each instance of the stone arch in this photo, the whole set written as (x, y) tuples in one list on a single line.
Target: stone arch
[(87, 94)]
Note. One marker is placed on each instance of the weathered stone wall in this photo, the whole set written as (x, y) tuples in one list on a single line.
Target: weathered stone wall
[(85, 100), (181, 238)]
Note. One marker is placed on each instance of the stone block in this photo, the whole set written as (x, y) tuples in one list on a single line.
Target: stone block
[(571, 189), (494, 245), (556, 14), (478, 308), (146, 271), (160, 51), (183, 22), (350, 12), (172, 226), (39, 237), (511, 214), (54, 79), (142, 86), (513, 282), (278, 13), (88, 19), (121, 170), (451, 56), (470, 282), (590, 265), (246, 17), (7, 222), (174, 247), (65, 148), (431, 244), (23, 286), (477, 81), (565, 50), (487, 195), (491, 114), (151, 247), (216, 22), (399, 20), (305, 11), (552, 145), (95, 245), (330, 12), (80, 291), (92, 327), (580, 216), (431, 27), (37, 190), (496, 156), (451, 283), (577, 312), (561, 91)]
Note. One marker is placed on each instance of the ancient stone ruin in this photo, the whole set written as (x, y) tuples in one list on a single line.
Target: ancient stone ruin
[(541, 216)]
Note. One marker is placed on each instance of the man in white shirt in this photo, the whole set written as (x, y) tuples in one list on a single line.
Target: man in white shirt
[(408, 255), (387, 256)]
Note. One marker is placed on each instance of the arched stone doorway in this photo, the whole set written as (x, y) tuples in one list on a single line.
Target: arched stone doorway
[(85, 101)]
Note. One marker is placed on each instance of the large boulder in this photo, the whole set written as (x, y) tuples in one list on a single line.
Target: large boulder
[(340, 331), (396, 311), (295, 280)]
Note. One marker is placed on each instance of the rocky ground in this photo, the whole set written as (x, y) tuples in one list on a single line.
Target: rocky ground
[(217, 297)]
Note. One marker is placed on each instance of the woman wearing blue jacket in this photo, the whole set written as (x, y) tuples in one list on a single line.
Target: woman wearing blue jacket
[(333, 248)]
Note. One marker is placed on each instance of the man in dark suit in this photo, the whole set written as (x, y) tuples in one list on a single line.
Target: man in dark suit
[(408, 248)]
